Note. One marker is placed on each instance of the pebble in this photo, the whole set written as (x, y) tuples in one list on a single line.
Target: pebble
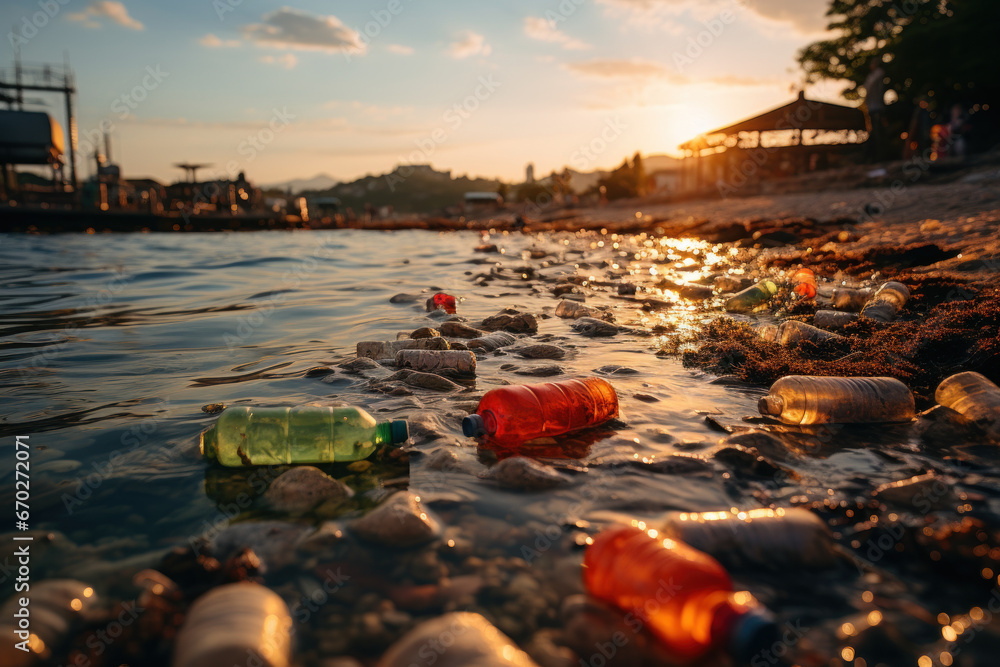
[(443, 459), (424, 426), (493, 341), (646, 398), (570, 310), (458, 639), (920, 493), (540, 371), (314, 372), (519, 472), (460, 330), (425, 332), (406, 298), (615, 370), (303, 488), (593, 327), (359, 364), (400, 521), (213, 408), (430, 381), (271, 541), (540, 351), (512, 321)]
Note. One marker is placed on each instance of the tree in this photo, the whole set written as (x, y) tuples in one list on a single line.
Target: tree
[(944, 50)]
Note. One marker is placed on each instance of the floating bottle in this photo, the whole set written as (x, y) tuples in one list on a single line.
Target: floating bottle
[(518, 413), (833, 319), (793, 331), (887, 302), (57, 609), (768, 538), (466, 640), (250, 436), (751, 297), (805, 399), (845, 298), (233, 623), (685, 596), (804, 283), (974, 397), (442, 301), (442, 362), (377, 349)]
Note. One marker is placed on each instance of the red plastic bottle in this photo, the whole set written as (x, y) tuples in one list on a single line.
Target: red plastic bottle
[(442, 301), (526, 412), (804, 281), (685, 596)]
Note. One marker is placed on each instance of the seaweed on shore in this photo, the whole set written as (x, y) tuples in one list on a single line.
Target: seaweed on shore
[(961, 331)]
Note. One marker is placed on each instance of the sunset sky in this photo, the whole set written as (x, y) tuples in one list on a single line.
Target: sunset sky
[(349, 88)]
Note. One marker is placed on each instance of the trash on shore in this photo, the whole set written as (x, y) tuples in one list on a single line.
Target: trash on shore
[(833, 319), (252, 436), (768, 538), (230, 623), (887, 302), (804, 283), (401, 521), (800, 399), (454, 363), (974, 397), (520, 413), (625, 566), (853, 300), (793, 331), (370, 349), (752, 297), (442, 301)]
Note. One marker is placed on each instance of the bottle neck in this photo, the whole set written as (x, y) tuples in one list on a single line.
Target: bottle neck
[(383, 433), (742, 626), (771, 405)]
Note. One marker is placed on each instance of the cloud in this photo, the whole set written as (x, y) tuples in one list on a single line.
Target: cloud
[(108, 9), (635, 69), (545, 30), (288, 60), (292, 29), (400, 49), (214, 42), (471, 44), (370, 111), (805, 16)]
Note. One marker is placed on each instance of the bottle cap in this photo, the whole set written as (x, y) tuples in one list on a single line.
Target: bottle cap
[(754, 632), (400, 430), (770, 405), (473, 426)]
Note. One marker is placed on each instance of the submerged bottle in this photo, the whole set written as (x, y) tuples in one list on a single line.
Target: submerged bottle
[(442, 362), (793, 331), (230, 623), (526, 412), (805, 399), (974, 397), (844, 298), (249, 436), (378, 349), (769, 538), (833, 319), (695, 610), (752, 297), (804, 282), (887, 302)]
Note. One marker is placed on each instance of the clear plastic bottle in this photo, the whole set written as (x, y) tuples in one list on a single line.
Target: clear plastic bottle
[(442, 362), (685, 596), (887, 302), (973, 396), (844, 298), (805, 399), (517, 413), (751, 297), (250, 436), (769, 538), (377, 349), (231, 624), (804, 283), (833, 319), (793, 331), (57, 609)]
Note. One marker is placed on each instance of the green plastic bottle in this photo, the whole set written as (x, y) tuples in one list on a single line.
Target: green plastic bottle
[(250, 436), (751, 297)]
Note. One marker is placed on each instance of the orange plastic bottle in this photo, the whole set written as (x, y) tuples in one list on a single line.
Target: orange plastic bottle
[(526, 412), (804, 281), (685, 597)]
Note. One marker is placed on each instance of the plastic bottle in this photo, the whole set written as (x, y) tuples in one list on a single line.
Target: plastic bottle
[(887, 302), (833, 319), (685, 596), (844, 298), (458, 639), (804, 281), (250, 436), (377, 349), (805, 399), (752, 297), (767, 332), (769, 538), (232, 624), (974, 397), (57, 609), (442, 362), (793, 331), (518, 413), (442, 301)]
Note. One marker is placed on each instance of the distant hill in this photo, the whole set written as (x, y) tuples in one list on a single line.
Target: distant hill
[(408, 189), (654, 163), (297, 185)]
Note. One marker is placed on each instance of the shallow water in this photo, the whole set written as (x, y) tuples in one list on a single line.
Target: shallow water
[(111, 344)]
